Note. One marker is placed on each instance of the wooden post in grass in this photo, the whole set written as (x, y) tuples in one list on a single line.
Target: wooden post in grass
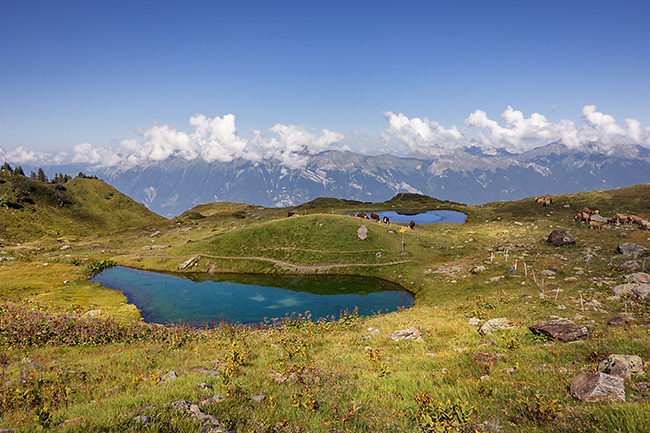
[(525, 270)]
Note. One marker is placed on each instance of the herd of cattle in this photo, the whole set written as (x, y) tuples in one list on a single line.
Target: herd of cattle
[(373, 216), (588, 217)]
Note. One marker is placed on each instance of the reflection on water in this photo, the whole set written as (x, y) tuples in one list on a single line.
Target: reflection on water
[(207, 299)]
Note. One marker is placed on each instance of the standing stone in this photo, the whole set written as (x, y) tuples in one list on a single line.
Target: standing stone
[(632, 250), (562, 330), (560, 238), (622, 365), (598, 386), (494, 324), (362, 232)]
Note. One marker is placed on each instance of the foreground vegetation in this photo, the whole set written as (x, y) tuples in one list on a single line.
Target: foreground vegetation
[(76, 356)]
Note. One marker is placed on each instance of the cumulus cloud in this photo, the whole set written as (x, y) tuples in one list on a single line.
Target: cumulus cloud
[(513, 131), (212, 139)]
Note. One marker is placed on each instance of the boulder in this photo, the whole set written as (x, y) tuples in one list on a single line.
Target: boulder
[(617, 321), (622, 365), (624, 235), (631, 249), (560, 238), (636, 290), (189, 263), (638, 277), (477, 269), (562, 330), (487, 360), (599, 218), (411, 333), (598, 386), (171, 375), (630, 266), (362, 232), (494, 324)]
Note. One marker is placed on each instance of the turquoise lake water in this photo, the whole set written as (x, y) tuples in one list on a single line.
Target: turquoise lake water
[(201, 300)]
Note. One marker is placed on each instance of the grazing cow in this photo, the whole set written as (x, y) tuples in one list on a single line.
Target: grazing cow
[(362, 215), (374, 217), (547, 201), (645, 224), (582, 216), (292, 213), (412, 224), (590, 211), (386, 220), (635, 219), (621, 217), (612, 220), (596, 225)]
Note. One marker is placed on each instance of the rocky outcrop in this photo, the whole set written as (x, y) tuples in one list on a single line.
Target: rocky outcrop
[(628, 266), (493, 325), (623, 366), (633, 250), (636, 290), (598, 386), (562, 330), (560, 238), (639, 277)]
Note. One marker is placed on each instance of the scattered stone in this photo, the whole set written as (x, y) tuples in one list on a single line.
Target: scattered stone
[(632, 250), (142, 419), (490, 427), (486, 342), (622, 365), (598, 386), (362, 233), (548, 272), (639, 291), (203, 417), (599, 218), (617, 321), (630, 266), (562, 330), (65, 247), (560, 238), (215, 373), (639, 277), (204, 385), (474, 321), (76, 421), (6, 430), (209, 399), (373, 332), (477, 269), (411, 333), (189, 263), (181, 405), (171, 375), (488, 360), (494, 324), (26, 360), (258, 398), (155, 234), (624, 235), (93, 313), (517, 223)]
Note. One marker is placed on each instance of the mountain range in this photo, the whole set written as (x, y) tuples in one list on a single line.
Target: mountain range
[(468, 175)]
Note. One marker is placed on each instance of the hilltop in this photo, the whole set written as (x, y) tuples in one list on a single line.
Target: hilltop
[(82, 206), (110, 372)]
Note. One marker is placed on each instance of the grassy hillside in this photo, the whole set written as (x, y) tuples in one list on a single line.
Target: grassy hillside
[(31, 209), (65, 363)]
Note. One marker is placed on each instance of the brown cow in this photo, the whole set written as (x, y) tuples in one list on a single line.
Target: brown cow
[(621, 217), (635, 219), (362, 215), (596, 225), (385, 220), (292, 213), (412, 224), (374, 217), (590, 211), (582, 216)]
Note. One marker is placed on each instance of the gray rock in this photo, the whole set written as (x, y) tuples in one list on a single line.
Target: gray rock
[(181, 405), (474, 321), (142, 419), (258, 398), (548, 272), (617, 321), (6, 430), (362, 233), (204, 385), (598, 386), (560, 238), (636, 290), (192, 261), (639, 277), (562, 330), (477, 269), (203, 417), (491, 427), (624, 235), (411, 333), (487, 360), (632, 250), (65, 247), (493, 325), (171, 375), (486, 342), (622, 365), (630, 265), (155, 234), (599, 218), (643, 387)]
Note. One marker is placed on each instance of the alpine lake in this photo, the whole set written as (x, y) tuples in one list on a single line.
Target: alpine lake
[(208, 299)]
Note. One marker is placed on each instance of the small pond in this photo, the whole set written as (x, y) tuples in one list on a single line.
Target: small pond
[(201, 300), (421, 217)]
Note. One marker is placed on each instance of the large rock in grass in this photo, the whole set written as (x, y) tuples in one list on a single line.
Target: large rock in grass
[(560, 238), (622, 365), (638, 277), (633, 250), (411, 333), (598, 386), (562, 330), (362, 233), (636, 290), (493, 325), (629, 266)]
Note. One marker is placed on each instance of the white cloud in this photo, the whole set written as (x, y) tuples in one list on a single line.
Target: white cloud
[(512, 131)]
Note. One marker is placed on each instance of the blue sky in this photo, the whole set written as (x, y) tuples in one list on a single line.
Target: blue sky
[(99, 72)]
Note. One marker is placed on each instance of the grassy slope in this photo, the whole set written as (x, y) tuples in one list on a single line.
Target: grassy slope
[(358, 390), (80, 207)]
